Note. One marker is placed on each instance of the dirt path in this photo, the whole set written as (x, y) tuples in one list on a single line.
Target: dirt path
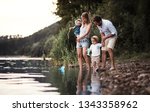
[(131, 77)]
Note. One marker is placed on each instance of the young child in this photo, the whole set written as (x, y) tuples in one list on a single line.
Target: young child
[(76, 28), (95, 53)]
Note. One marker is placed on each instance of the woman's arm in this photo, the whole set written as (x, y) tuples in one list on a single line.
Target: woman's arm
[(87, 32)]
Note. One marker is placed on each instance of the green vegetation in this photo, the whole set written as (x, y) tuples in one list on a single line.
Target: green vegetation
[(34, 45), (131, 18)]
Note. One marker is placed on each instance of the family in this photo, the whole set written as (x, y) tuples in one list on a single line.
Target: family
[(108, 35)]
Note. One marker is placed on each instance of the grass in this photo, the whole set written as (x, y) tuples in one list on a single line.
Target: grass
[(134, 56)]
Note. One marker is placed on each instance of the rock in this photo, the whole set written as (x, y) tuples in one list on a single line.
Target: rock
[(142, 75), (132, 77), (148, 90)]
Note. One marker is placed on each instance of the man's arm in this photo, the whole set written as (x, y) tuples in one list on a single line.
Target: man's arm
[(109, 36), (112, 29), (102, 39)]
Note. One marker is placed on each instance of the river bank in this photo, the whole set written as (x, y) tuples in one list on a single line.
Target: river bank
[(22, 58), (132, 77)]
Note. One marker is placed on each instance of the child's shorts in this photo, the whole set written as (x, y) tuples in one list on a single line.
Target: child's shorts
[(95, 60)]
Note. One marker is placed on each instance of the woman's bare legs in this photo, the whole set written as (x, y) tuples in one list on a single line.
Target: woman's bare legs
[(79, 83), (79, 55), (87, 59)]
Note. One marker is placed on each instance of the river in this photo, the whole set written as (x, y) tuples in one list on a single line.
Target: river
[(35, 76)]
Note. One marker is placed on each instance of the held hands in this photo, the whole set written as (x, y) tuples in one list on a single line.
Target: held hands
[(103, 44), (103, 41), (103, 37)]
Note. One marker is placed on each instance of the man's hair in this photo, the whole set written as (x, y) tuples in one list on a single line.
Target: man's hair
[(97, 19)]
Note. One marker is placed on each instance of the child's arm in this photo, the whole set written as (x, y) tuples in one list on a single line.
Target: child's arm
[(71, 28)]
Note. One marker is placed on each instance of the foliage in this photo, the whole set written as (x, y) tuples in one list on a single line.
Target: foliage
[(60, 48), (130, 17), (34, 45), (70, 9)]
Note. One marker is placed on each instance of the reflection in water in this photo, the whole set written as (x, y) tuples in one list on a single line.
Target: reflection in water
[(83, 83), (95, 84), (25, 77), (87, 84), (38, 77), (66, 82)]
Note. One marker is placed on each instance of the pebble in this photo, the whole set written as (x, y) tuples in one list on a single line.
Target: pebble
[(133, 78)]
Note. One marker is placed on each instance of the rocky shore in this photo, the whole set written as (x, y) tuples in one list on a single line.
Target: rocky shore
[(131, 77)]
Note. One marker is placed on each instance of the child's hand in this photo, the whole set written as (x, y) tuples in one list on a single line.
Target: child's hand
[(70, 28)]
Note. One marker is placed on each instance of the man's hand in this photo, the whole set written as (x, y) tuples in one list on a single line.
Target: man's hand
[(103, 39), (103, 43)]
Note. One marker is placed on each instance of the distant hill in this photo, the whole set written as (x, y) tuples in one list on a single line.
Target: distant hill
[(45, 33), (32, 45)]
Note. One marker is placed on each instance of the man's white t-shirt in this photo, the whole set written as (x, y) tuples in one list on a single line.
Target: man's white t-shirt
[(107, 28), (95, 49)]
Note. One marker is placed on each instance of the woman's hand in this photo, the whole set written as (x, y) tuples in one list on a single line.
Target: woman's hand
[(78, 39)]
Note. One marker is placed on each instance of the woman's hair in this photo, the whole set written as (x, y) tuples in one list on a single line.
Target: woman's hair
[(86, 15), (97, 19)]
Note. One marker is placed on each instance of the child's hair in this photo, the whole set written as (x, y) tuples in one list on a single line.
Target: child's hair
[(77, 21), (95, 38)]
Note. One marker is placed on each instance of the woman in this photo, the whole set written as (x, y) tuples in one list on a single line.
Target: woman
[(83, 41)]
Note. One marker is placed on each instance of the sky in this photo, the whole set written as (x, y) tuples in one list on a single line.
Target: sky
[(25, 17)]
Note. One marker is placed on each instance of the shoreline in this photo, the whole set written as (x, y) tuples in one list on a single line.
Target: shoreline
[(23, 58)]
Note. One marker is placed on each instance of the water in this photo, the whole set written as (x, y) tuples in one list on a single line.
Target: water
[(28, 76)]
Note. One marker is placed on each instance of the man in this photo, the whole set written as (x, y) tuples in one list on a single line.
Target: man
[(108, 36)]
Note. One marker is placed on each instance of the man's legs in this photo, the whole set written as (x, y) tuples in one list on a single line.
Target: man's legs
[(103, 59), (111, 55), (110, 48)]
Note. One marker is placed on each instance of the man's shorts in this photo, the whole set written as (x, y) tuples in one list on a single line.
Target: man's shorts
[(83, 43), (109, 43)]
